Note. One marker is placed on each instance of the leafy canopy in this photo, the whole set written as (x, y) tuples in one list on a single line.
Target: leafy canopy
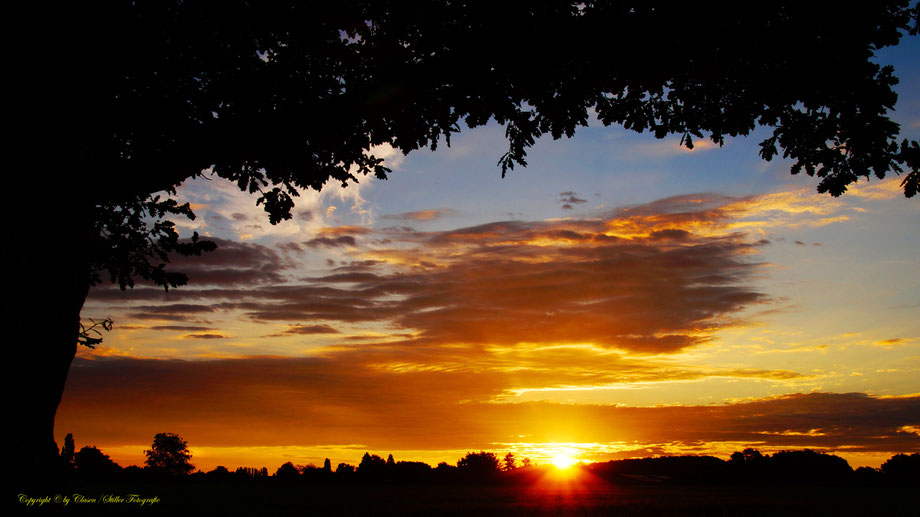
[(137, 97)]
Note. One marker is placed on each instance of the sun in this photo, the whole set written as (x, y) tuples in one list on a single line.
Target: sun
[(563, 461)]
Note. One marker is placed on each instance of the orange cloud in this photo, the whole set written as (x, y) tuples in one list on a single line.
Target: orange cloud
[(264, 401), (423, 215), (205, 335), (659, 286), (344, 230)]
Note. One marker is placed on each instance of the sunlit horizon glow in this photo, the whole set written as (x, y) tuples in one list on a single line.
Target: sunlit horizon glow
[(578, 308), (539, 454)]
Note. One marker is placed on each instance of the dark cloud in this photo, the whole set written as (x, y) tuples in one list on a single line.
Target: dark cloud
[(332, 242), (338, 236), (306, 330), (290, 246), (674, 235), (232, 263), (483, 233), (569, 199), (186, 328), (692, 207), (171, 312), (354, 277), (205, 336), (239, 217), (892, 341), (215, 274), (641, 280), (176, 328)]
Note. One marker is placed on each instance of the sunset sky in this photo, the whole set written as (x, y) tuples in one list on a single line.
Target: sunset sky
[(619, 297)]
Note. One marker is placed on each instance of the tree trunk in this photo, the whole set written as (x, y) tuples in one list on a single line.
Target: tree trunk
[(49, 270)]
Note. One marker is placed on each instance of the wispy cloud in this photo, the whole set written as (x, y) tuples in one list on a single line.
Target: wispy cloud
[(423, 215)]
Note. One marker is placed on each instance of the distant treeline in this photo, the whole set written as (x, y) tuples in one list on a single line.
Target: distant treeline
[(170, 462), (751, 466)]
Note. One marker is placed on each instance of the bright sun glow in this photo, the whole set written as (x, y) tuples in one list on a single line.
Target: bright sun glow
[(563, 461)]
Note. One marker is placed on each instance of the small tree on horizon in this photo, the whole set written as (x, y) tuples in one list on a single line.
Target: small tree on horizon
[(67, 451), (509, 462), (169, 454)]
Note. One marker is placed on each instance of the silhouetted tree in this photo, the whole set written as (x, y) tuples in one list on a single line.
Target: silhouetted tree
[(684, 468), (169, 454), (67, 450), (509, 461), (808, 466), (313, 474), (287, 471), (91, 462), (446, 472), (902, 468), (372, 466), (868, 476), (478, 464), (251, 472), (525, 462), (748, 463), (411, 471), (752, 456), (327, 465), (220, 473), (133, 98)]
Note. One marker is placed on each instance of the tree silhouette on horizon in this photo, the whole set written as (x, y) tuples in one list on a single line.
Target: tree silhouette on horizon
[(479, 464), (803, 467), (67, 451), (508, 462), (133, 98), (92, 463), (169, 454)]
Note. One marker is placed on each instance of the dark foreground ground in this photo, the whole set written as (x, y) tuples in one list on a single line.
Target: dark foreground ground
[(551, 499)]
